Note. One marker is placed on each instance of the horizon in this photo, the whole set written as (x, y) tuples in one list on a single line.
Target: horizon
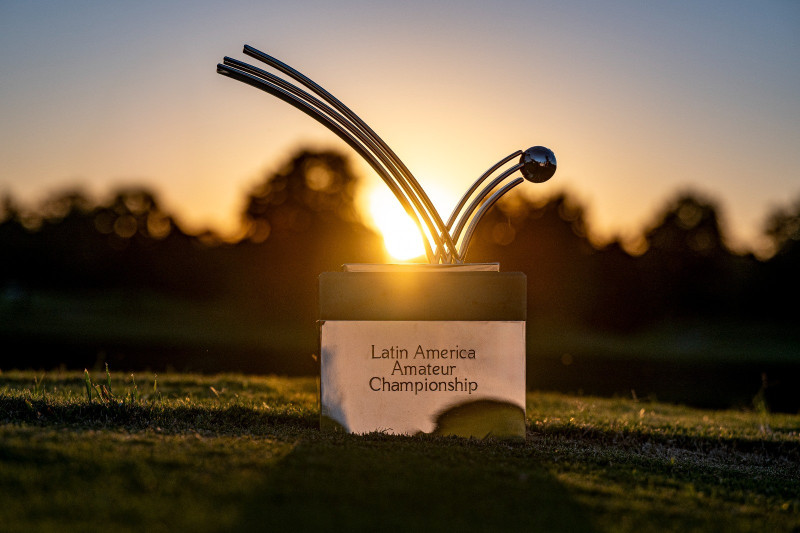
[(378, 210)]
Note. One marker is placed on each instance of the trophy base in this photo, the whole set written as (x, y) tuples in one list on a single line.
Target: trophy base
[(423, 349)]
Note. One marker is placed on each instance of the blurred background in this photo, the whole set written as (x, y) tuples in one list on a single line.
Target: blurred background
[(156, 215)]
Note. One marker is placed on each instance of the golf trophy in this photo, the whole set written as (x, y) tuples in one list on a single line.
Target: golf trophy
[(426, 348)]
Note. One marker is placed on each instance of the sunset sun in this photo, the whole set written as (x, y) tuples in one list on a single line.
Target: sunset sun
[(400, 234)]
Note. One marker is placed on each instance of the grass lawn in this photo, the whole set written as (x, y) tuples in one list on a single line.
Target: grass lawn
[(186, 452)]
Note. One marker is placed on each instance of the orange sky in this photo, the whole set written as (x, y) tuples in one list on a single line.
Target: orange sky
[(637, 101)]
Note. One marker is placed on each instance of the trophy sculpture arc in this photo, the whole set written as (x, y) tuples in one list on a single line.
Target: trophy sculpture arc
[(413, 348), (445, 243)]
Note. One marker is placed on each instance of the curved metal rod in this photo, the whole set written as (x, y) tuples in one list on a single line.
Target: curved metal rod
[(405, 174), (477, 183), (310, 100), (343, 134), (460, 205), (482, 211), (478, 199)]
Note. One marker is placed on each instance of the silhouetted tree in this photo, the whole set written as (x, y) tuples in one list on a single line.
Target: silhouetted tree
[(299, 222), (70, 243), (776, 289), (42, 247), (16, 245), (152, 251), (688, 268), (620, 299), (783, 230), (312, 185), (547, 241)]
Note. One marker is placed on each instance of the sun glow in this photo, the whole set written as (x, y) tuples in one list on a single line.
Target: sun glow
[(400, 235)]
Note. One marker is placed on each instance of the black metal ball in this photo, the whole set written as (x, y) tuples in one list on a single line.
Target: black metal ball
[(539, 164)]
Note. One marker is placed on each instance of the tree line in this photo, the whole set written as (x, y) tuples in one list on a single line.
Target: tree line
[(302, 220)]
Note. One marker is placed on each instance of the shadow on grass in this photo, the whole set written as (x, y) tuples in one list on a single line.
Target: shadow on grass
[(394, 483), (233, 467), (227, 420)]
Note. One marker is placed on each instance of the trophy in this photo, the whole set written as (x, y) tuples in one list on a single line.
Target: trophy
[(436, 348)]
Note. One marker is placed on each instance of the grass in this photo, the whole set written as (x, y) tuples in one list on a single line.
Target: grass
[(229, 452)]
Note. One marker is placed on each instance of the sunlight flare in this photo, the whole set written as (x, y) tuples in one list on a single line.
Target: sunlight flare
[(400, 235)]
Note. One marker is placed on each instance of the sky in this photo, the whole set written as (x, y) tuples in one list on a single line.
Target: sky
[(638, 100)]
